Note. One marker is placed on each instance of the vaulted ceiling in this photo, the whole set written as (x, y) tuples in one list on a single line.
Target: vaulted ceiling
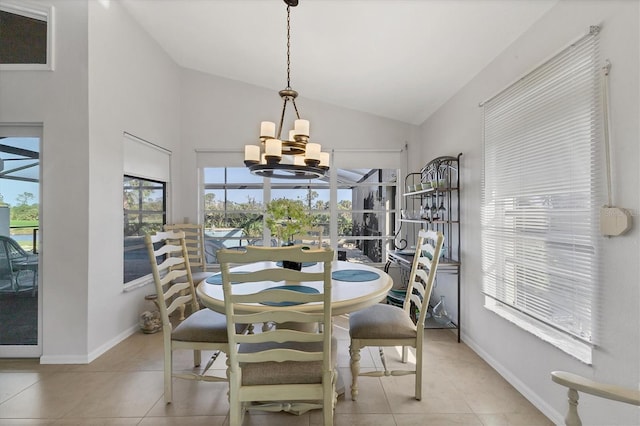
[(400, 59)]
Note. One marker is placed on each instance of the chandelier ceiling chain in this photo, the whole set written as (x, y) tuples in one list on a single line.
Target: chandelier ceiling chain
[(295, 157), (288, 47)]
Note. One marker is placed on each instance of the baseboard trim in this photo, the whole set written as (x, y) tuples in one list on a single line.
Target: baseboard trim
[(546, 409), (86, 359)]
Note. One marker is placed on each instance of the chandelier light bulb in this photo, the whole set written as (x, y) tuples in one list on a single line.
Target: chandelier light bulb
[(324, 160), (267, 130), (301, 127), (273, 148), (252, 153), (313, 151)]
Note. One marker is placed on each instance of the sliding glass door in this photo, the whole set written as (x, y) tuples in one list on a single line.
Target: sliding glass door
[(20, 209)]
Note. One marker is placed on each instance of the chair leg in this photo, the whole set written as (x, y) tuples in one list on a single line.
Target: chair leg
[(355, 369), (197, 358), (236, 407), (418, 372), (328, 400), (168, 373), (405, 354), (384, 361)]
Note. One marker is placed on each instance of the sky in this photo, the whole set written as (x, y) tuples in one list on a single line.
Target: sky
[(10, 189)]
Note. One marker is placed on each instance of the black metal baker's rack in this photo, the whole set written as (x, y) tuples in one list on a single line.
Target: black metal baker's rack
[(431, 201)]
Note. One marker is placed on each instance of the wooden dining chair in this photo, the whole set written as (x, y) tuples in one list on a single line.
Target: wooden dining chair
[(279, 368), (203, 329), (388, 325), (576, 383), (311, 236), (194, 238)]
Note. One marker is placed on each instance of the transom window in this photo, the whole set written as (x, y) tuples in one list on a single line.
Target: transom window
[(27, 36)]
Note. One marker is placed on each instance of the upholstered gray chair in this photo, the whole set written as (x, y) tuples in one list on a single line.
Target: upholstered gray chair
[(203, 329), (289, 369), (388, 325)]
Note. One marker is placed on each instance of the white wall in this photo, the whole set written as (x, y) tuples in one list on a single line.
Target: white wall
[(224, 114), (133, 88), (457, 127), (59, 100), (111, 78), (129, 84)]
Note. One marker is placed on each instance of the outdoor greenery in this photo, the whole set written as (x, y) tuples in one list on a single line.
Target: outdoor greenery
[(286, 217), (144, 209), (26, 211), (250, 215)]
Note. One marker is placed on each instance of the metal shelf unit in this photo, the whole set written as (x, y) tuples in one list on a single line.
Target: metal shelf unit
[(432, 201)]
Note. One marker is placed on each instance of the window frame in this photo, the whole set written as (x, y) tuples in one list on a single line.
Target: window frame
[(541, 194), (40, 12), (271, 187)]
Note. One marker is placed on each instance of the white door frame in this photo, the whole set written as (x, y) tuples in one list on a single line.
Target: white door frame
[(33, 130)]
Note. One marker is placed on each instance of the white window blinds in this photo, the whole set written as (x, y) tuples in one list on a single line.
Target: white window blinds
[(541, 195)]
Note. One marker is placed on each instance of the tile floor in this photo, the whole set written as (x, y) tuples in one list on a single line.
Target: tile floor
[(124, 387)]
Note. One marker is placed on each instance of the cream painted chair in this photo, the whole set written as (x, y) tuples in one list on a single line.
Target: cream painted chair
[(194, 238), (280, 368), (312, 237), (577, 383), (387, 325), (204, 329)]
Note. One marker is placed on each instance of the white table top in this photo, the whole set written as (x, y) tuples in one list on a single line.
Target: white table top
[(347, 296)]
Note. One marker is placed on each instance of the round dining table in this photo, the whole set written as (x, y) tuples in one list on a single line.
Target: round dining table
[(355, 286)]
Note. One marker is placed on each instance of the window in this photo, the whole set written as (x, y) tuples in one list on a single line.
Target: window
[(233, 209), (234, 202), (366, 201), (144, 212), (541, 197), (27, 36)]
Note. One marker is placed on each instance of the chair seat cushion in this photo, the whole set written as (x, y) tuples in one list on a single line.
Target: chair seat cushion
[(381, 322), (204, 325), (277, 373)]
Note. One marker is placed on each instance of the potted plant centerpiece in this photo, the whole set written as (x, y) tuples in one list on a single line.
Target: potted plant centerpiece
[(286, 218)]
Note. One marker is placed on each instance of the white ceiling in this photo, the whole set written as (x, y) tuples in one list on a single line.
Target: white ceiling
[(400, 59)]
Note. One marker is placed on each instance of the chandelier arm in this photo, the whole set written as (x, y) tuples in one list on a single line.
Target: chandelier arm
[(295, 107), (281, 124)]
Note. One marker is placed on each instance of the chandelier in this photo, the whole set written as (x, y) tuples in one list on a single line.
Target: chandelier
[(294, 157)]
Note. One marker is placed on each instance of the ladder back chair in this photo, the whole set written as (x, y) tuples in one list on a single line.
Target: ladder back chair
[(387, 325), (203, 329), (575, 383), (279, 368), (194, 238), (311, 236)]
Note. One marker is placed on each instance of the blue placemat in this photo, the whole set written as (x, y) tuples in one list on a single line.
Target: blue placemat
[(354, 275), (304, 265), (217, 278), (298, 288)]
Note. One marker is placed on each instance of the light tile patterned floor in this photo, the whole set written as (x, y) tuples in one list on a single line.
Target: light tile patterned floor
[(124, 387)]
